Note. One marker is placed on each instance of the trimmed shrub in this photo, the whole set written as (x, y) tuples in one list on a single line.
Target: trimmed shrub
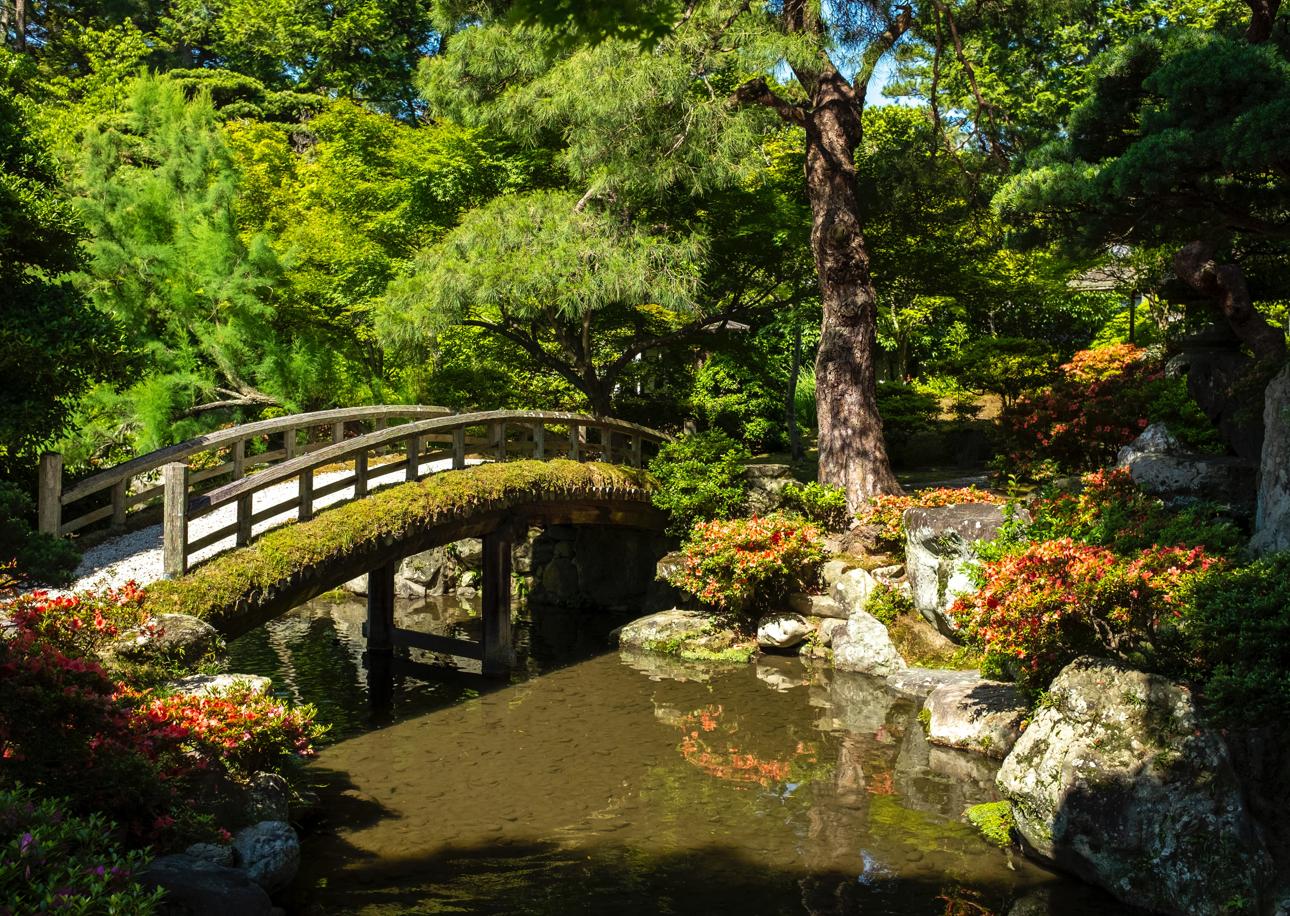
[(1238, 632), (700, 478), (55, 861), (1053, 601), (821, 503), (905, 411), (38, 559), (747, 564)]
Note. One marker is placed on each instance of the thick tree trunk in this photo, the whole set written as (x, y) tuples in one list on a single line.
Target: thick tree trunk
[(853, 454), (1225, 284)]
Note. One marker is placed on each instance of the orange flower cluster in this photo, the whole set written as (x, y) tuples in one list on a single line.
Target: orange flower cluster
[(740, 564)]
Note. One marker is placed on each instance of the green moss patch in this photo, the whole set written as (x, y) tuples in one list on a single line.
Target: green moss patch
[(710, 643), (223, 588), (995, 822)]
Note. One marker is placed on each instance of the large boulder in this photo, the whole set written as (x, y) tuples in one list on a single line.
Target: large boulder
[(1117, 780), (816, 606), (864, 645), (851, 590), (766, 483), (1272, 514), (269, 852), (168, 638), (939, 548), (917, 683), (196, 886), (1160, 465), (220, 685), (978, 715)]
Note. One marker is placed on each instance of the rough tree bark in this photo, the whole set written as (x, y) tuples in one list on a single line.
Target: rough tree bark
[(1225, 284), (853, 454)]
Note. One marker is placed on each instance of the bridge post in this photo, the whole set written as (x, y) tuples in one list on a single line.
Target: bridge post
[(459, 448), (499, 430), (174, 550), (575, 442), (306, 510), (380, 633), (414, 458), (499, 653), (636, 450), (49, 514), (360, 475), (242, 536), (539, 441)]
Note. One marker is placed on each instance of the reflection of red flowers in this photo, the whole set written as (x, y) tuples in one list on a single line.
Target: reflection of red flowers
[(733, 765), (880, 784)]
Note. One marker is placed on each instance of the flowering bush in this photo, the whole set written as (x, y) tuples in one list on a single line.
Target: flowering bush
[(1101, 401), (1112, 511), (748, 563), (149, 762), (1052, 601), (53, 860), (78, 624), (884, 513)]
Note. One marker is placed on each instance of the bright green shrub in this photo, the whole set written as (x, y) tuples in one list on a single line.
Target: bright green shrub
[(1169, 402), (1237, 625), (1050, 602), (700, 477), (822, 503), (905, 411), (886, 603), (54, 861), (747, 564), (39, 558), (884, 513), (1006, 366)]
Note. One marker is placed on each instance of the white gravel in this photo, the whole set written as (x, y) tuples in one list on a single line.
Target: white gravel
[(137, 555)]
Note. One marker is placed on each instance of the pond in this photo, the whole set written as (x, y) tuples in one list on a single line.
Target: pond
[(596, 782)]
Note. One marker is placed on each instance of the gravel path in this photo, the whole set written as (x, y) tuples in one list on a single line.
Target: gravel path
[(137, 555)]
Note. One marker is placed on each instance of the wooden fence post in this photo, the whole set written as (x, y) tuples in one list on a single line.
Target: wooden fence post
[(120, 490), (575, 443), (49, 515), (360, 475), (306, 510), (459, 448), (414, 458), (338, 431), (539, 441), (499, 653), (174, 553)]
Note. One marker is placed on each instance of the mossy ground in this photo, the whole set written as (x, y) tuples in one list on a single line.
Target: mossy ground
[(712, 642)]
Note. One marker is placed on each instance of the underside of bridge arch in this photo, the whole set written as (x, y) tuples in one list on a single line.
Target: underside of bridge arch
[(244, 588)]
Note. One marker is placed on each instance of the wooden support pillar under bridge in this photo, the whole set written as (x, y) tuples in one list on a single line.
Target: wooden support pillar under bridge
[(496, 650)]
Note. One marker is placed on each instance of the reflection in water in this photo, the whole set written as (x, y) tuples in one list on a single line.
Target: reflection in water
[(633, 785)]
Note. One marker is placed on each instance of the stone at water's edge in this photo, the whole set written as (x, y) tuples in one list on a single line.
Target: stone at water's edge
[(197, 887), (865, 646), (176, 638), (917, 683), (816, 606), (1160, 465), (1272, 515), (219, 685), (1116, 780), (269, 852), (659, 628), (782, 631), (981, 716), (938, 550)]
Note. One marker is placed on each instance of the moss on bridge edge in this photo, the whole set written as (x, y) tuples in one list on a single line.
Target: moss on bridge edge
[(211, 590)]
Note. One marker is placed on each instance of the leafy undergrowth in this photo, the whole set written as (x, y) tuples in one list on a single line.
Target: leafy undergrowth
[(214, 590), (917, 641)]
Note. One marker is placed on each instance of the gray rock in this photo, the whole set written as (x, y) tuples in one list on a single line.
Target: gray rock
[(431, 572), (852, 589), (196, 887), (211, 852), (1159, 464), (1272, 515), (917, 683), (669, 565), (981, 716), (888, 575), (866, 647), (661, 627), (938, 552), (1117, 780), (269, 852), (816, 606), (219, 685), (829, 628), (782, 631), (766, 483), (835, 569), (175, 638)]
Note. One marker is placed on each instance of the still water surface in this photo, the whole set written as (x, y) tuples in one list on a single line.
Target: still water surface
[(596, 782)]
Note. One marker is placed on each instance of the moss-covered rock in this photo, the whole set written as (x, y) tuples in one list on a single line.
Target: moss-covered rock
[(994, 821)]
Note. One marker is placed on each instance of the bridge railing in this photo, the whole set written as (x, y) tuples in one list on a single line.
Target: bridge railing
[(234, 456), (366, 461)]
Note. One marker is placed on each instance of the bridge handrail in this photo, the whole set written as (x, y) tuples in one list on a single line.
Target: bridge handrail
[(181, 508), (53, 496)]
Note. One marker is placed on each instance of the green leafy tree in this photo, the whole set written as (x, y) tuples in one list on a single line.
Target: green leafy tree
[(53, 344)]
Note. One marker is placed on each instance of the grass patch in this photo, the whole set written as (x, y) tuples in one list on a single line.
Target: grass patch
[(215, 590)]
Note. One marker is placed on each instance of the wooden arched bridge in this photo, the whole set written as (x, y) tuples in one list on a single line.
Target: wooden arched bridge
[(396, 480)]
